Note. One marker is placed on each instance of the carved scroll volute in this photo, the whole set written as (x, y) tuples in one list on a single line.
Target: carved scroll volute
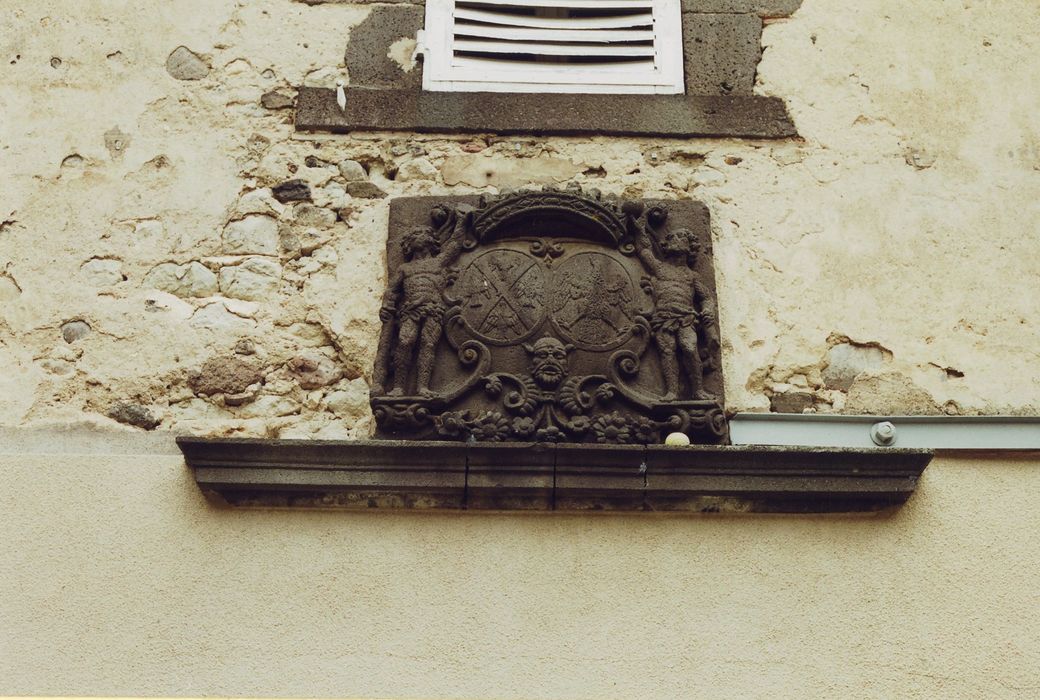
[(552, 316)]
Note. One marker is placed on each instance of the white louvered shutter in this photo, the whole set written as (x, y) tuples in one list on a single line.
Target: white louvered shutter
[(615, 46)]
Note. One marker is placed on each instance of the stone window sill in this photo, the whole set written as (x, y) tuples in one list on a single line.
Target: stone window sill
[(681, 116), (523, 476)]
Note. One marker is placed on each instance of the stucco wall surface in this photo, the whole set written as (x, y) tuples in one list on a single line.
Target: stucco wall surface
[(120, 579), (884, 263)]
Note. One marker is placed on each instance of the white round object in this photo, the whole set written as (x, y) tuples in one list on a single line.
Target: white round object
[(677, 439)]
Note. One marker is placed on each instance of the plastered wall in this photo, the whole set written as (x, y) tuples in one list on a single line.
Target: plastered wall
[(883, 263), (119, 579)]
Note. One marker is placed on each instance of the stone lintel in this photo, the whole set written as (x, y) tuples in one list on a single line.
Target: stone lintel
[(565, 477), (680, 116)]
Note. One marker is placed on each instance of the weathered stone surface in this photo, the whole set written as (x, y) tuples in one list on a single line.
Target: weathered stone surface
[(217, 317), (275, 99), (846, 360), (185, 64), (416, 169), (133, 414), (224, 375), (75, 330), (365, 190), (292, 191), (723, 53), (352, 171), (889, 394), (102, 272), (790, 402), (255, 235), (369, 47), (349, 401), (586, 115), (502, 172), (762, 8), (314, 371), (310, 215), (255, 279), (189, 280)]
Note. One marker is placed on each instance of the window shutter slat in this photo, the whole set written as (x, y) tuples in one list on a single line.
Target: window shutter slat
[(634, 20), (526, 34), (550, 49)]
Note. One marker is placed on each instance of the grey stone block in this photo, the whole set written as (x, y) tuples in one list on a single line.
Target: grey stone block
[(370, 41), (722, 52), (762, 8)]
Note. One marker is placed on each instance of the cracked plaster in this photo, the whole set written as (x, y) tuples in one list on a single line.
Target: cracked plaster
[(901, 219)]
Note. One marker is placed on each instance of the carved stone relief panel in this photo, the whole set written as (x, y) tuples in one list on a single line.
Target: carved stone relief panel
[(551, 316)]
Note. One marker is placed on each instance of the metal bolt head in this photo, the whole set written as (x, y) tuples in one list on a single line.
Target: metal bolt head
[(883, 433)]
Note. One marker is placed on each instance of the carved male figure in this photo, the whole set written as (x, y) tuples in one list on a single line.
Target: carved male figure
[(683, 305), (414, 298)]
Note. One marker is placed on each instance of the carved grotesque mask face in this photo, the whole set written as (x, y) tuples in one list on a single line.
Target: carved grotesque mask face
[(548, 361)]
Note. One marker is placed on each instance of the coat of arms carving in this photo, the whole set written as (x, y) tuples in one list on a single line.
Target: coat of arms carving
[(555, 316)]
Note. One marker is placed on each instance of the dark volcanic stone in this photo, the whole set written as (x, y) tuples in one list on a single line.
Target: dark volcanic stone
[(480, 112), (370, 42), (275, 100), (292, 191), (132, 414), (722, 53), (364, 190)]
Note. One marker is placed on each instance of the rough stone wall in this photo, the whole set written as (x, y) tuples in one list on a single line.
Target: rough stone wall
[(172, 255)]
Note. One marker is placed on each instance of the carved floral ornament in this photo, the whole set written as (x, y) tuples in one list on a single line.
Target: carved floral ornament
[(552, 316)]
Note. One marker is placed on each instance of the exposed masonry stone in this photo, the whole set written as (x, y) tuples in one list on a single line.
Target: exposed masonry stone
[(75, 330), (224, 375), (133, 414), (255, 279), (365, 190), (722, 53), (255, 234), (352, 171), (102, 272), (184, 64), (292, 191), (189, 280), (314, 371), (310, 215), (846, 360), (275, 100), (217, 317), (367, 57), (790, 402)]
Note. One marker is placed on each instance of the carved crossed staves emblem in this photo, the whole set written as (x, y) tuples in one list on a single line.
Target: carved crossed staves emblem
[(502, 295)]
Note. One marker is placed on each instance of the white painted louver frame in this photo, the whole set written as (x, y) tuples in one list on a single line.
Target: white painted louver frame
[(482, 45)]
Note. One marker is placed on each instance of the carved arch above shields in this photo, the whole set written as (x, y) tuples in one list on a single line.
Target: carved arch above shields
[(555, 315), (525, 213)]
